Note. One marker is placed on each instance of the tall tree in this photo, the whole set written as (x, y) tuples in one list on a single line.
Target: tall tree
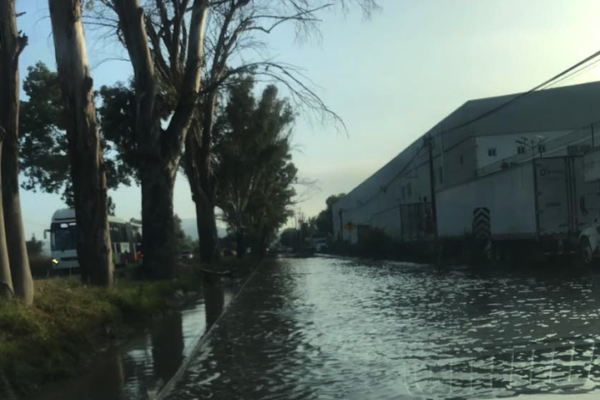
[(12, 44), (87, 169), (156, 41), (6, 286), (325, 220), (43, 141), (166, 83), (253, 163), (238, 26)]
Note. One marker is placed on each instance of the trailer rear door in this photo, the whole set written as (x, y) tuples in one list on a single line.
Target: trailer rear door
[(552, 200)]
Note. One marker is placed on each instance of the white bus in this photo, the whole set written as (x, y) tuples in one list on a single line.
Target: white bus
[(126, 238)]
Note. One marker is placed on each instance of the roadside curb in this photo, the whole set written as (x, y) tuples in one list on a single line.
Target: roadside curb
[(168, 388)]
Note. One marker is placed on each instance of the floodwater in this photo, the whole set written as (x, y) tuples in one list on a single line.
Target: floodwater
[(139, 368), (338, 329), (325, 328)]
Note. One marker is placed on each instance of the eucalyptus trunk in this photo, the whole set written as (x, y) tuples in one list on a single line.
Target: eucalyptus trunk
[(159, 149), (12, 45), (203, 197), (6, 286), (241, 243), (87, 168), (200, 177), (158, 221)]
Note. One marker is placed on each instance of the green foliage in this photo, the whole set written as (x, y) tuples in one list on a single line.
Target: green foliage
[(43, 143), (288, 237), (117, 121), (324, 221), (228, 242), (253, 163), (34, 247), (43, 140)]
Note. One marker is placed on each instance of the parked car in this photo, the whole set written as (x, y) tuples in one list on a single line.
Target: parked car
[(186, 255)]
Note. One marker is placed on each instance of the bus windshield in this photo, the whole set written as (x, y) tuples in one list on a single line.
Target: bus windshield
[(64, 236)]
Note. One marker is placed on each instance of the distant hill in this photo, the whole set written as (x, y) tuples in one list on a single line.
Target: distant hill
[(190, 229)]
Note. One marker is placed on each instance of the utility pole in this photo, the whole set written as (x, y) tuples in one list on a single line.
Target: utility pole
[(341, 235), (429, 143)]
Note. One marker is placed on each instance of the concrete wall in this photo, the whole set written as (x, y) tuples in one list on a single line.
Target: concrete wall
[(455, 206), (461, 151), (506, 146)]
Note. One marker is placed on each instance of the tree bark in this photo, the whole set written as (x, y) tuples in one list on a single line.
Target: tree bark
[(12, 45), (207, 230), (6, 286), (160, 149), (158, 222), (241, 247), (202, 186), (87, 168), (203, 198)]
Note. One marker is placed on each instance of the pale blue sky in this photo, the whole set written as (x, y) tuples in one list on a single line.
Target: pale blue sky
[(391, 78)]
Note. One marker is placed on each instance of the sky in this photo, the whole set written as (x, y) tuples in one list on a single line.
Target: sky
[(391, 77)]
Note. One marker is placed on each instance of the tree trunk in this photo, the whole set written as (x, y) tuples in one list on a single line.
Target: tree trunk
[(87, 169), (158, 229), (202, 188), (207, 223), (207, 229), (160, 149), (6, 286), (12, 45), (241, 248), (262, 242)]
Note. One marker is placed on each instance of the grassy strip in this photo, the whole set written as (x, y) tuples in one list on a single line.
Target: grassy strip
[(54, 338)]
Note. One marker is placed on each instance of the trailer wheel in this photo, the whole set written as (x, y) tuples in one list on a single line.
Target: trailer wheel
[(586, 254)]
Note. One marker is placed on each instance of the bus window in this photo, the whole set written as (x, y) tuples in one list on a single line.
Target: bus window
[(63, 237), (124, 235), (115, 233)]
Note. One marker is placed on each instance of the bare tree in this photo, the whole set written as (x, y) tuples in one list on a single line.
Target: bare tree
[(165, 47), (87, 169), (12, 44), (166, 51), (236, 28)]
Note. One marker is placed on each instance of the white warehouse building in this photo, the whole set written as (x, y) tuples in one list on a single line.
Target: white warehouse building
[(467, 145)]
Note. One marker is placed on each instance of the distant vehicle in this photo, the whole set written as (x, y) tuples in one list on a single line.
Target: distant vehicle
[(319, 244), (228, 253), (186, 255), (589, 243), (126, 238)]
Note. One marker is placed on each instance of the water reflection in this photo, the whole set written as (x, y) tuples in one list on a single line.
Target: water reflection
[(333, 329), (214, 298), (138, 369), (167, 347)]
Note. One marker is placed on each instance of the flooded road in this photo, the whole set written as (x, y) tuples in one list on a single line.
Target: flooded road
[(139, 368), (340, 329)]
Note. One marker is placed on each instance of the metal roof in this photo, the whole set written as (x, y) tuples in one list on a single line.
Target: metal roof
[(557, 109)]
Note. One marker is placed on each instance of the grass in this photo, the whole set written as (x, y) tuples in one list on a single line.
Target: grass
[(55, 337)]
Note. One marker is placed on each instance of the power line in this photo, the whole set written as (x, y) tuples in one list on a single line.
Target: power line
[(387, 184), (490, 112), (518, 97), (573, 74)]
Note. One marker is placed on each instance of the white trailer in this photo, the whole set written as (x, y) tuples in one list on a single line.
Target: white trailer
[(589, 239), (546, 201)]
